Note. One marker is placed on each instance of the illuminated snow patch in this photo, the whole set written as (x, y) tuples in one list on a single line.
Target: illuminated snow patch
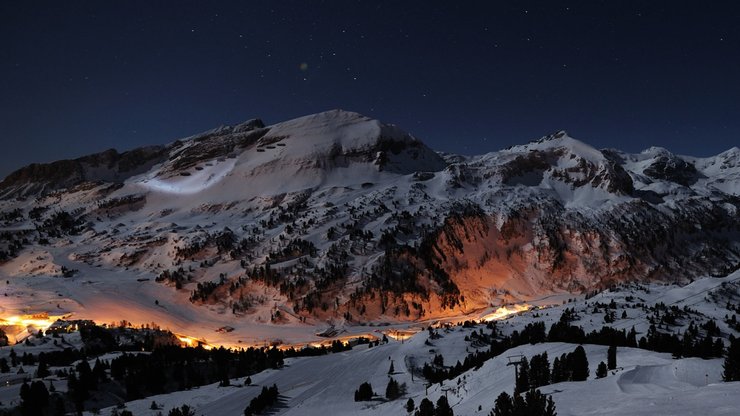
[(188, 185), (506, 311)]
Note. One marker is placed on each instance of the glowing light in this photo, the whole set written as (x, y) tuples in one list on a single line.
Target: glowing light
[(505, 311), (189, 341), (39, 321), (21, 326)]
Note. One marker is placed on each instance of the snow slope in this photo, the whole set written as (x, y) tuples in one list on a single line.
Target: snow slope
[(544, 219), (644, 383)]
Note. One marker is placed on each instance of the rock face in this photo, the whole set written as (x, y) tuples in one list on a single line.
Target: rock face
[(108, 166), (338, 216)]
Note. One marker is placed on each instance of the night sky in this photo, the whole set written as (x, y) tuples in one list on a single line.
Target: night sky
[(465, 77)]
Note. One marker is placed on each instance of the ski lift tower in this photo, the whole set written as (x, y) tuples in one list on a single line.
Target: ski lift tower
[(515, 360)]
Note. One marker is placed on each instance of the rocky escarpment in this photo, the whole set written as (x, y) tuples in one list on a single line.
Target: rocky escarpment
[(672, 168), (108, 166), (545, 246)]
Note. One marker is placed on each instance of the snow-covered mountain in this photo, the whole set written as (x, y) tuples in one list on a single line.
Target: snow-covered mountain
[(338, 217)]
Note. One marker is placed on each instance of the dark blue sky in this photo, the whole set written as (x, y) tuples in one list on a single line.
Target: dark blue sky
[(465, 77)]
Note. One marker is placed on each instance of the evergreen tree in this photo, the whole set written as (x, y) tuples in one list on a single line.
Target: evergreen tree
[(392, 390), (59, 408), (443, 407), (391, 370), (522, 380), (34, 398), (539, 371), (364, 393), (98, 372), (43, 370), (535, 403), (426, 408), (732, 361), (632, 338), (410, 405), (611, 357), (550, 407), (719, 348), (504, 406), (601, 370), (39, 393), (578, 364), (183, 410), (86, 376), (558, 372)]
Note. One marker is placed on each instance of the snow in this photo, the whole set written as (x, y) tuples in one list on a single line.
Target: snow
[(644, 382), (329, 162)]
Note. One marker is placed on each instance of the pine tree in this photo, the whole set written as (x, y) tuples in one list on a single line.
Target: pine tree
[(601, 370), (611, 357), (504, 406), (539, 371), (392, 391), (13, 358), (558, 372), (59, 408), (364, 393), (719, 348), (522, 380), (550, 408), (443, 407), (183, 410), (426, 408), (535, 403), (410, 405), (732, 361), (632, 338), (43, 370), (578, 364), (391, 370)]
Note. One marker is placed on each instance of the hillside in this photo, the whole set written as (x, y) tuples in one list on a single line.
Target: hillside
[(337, 220), (643, 382)]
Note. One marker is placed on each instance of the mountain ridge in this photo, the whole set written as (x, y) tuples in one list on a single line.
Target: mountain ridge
[(339, 217)]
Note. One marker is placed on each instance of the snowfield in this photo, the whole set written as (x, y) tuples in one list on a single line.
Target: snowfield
[(644, 382), (336, 226)]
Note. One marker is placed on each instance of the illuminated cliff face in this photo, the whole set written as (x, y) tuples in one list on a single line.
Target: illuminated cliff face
[(497, 259)]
